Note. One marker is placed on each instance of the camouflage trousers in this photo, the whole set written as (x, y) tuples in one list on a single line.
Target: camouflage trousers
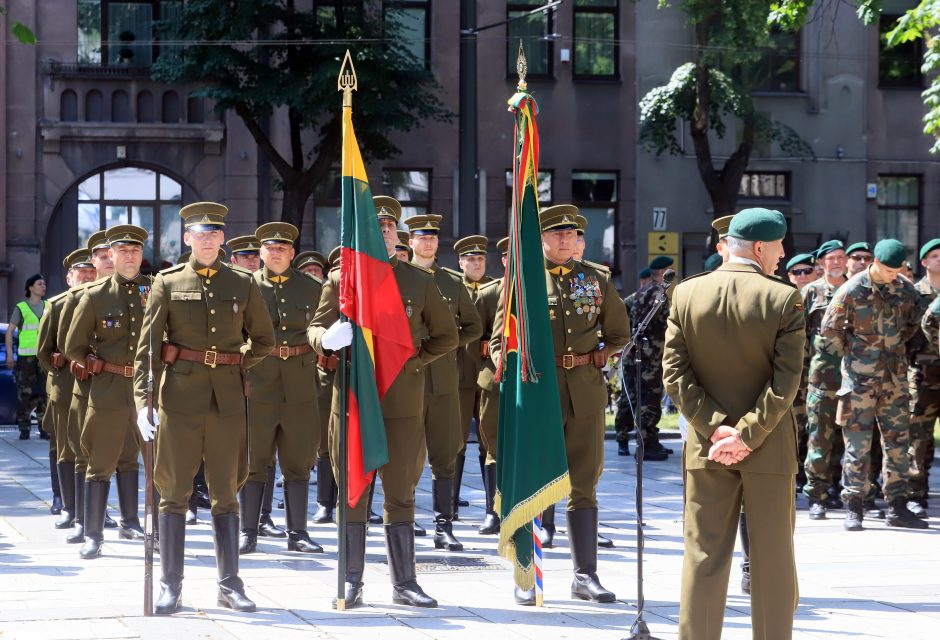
[(857, 411), (925, 409), (824, 446), (30, 382), (651, 392), (623, 422)]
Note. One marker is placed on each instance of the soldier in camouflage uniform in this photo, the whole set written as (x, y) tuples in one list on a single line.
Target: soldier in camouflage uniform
[(651, 374), (801, 272), (623, 422), (869, 322), (924, 382), (823, 461), (858, 257)]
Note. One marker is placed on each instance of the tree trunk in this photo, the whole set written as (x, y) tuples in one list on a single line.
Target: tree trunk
[(294, 203)]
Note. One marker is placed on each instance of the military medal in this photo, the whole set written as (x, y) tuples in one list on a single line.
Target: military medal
[(234, 307)]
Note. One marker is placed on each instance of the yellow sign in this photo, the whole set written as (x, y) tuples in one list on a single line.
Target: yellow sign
[(663, 243)]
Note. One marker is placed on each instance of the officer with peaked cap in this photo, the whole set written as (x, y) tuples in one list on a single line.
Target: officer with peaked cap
[(442, 421), (433, 334), (199, 315), (246, 252), (402, 250), (720, 225), (313, 263)]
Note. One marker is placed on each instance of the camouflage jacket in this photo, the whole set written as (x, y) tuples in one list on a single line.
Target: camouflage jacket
[(823, 365), (869, 325), (930, 324), (656, 330), (919, 351)]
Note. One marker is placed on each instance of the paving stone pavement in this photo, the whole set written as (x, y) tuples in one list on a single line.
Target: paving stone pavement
[(880, 583)]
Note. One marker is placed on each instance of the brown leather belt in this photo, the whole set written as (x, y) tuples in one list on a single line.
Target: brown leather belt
[(210, 358), (119, 370), (572, 360), (328, 363), (284, 352)]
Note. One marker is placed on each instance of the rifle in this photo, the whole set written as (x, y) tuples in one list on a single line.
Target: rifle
[(148, 479)]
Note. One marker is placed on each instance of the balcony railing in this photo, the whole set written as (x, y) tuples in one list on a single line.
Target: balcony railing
[(59, 69)]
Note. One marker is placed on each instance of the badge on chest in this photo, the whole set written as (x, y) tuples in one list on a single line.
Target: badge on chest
[(586, 296)]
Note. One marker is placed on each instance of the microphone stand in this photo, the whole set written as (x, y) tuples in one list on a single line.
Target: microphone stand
[(639, 630)]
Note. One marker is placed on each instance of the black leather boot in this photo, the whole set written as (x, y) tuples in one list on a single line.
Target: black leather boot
[(231, 588), (490, 524), (266, 526), (582, 537), (355, 563), (400, 544), (326, 492), (745, 554), (547, 534), (250, 503), (172, 547), (295, 499), (96, 501), (458, 482), (442, 492), (375, 518), (78, 532), (66, 471), (56, 508), (127, 485)]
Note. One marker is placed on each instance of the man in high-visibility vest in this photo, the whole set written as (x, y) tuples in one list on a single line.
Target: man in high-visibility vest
[(30, 378)]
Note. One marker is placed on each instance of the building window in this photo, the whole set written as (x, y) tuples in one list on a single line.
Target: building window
[(778, 69), (409, 22), (68, 106), (898, 66), (134, 195), (899, 210), (535, 32), (335, 15), (327, 212), (757, 185), (411, 187), (595, 194), (596, 54), (121, 32), (544, 189)]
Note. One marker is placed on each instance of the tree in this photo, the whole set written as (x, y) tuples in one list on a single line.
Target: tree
[(729, 37), (22, 33), (256, 56)]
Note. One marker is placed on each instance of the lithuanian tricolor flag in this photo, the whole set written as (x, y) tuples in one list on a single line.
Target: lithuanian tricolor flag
[(369, 298), (530, 426)]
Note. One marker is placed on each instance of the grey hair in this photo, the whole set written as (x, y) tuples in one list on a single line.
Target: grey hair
[(737, 246)]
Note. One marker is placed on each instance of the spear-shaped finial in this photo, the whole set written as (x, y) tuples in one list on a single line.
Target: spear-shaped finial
[(522, 67), (346, 82)]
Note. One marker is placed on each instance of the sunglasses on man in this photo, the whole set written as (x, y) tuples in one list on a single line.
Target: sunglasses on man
[(802, 272)]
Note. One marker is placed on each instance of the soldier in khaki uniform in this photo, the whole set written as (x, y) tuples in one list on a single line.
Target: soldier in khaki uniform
[(589, 320), (313, 263), (442, 421), (471, 258), (283, 408), (434, 334), (198, 315), (488, 427), (103, 339), (104, 267), (402, 249), (59, 382), (732, 364)]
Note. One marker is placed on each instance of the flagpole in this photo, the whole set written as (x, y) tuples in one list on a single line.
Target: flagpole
[(537, 558), (345, 82)]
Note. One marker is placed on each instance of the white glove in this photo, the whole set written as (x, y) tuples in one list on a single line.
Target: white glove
[(143, 424), (338, 336)]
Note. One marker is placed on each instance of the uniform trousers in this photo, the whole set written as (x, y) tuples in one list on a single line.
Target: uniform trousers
[(290, 429), (489, 423), (76, 420), (442, 433), (469, 409), (109, 442), (925, 409), (57, 413), (713, 502), (824, 446)]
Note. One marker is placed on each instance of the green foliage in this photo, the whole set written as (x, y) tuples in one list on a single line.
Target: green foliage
[(20, 31)]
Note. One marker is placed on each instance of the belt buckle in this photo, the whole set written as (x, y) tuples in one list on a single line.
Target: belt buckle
[(128, 371), (567, 361), (283, 352), (210, 358)]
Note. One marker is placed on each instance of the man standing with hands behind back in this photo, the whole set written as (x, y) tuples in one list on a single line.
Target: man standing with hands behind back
[(732, 364)]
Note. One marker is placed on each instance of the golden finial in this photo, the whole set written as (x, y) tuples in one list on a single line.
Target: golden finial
[(346, 82), (521, 67)]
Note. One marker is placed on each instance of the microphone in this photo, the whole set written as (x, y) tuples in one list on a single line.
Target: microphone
[(668, 276)]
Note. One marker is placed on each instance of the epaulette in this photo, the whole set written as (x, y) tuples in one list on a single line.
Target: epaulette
[(57, 297), (237, 268), (417, 266), (79, 287), (174, 268), (491, 283), (777, 278), (596, 265), (453, 272), (697, 275), (97, 283)]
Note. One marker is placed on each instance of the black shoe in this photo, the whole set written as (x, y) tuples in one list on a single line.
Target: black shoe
[(817, 510), (853, 516), (918, 507), (267, 528), (872, 511), (651, 454), (173, 532), (24, 434), (547, 534), (326, 492), (745, 578), (323, 514), (109, 522), (301, 541), (355, 564), (490, 524), (375, 518), (56, 507), (604, 542), (400, 543), (43, 435), (231, 588), (831, 502), (248, 541), (191, 518), (900, 516), (420, 531), (623, 449), (524, 597), (582, 538)]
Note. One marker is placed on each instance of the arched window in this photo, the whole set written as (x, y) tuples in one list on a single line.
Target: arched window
[(171, 107), (134, 195), (195, 111), (94, 106), (145, 111), (68, 106), (120, 107)]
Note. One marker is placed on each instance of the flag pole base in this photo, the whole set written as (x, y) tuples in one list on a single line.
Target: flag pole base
[(340, 604), (639, 631), (539, 600)]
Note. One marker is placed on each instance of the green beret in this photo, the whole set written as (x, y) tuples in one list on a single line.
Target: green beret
[(930, 246), (828, 247), (802, 258), (891, 253), (646, 273), (758, 225), (858, 246), (660, 262), (713, 262)]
